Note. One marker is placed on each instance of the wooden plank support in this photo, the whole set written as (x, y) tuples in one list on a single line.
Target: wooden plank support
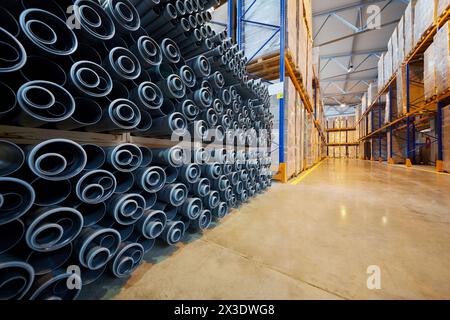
[(24, 135)]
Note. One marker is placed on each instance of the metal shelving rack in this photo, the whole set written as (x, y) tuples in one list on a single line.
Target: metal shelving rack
[(285, 67), (434, 106)]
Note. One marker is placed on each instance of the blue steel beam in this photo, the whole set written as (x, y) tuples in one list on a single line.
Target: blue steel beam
[(239, 22), (408, 108), (230, 18), (262, 47), (282, 73), (391, 128), (440, 144), (379, 126)]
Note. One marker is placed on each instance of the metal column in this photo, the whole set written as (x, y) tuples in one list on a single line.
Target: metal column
[(408, 108), (372, 142), (230, 18), (379, 127), (239, 23), (391, 128), (241, 12), (282, 73), (439, 124)]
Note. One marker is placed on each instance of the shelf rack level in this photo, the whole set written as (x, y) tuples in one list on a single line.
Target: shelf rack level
[(434, 106), (285, 67)]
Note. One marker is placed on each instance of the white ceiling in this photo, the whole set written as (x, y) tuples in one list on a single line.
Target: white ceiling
[(346, 47)]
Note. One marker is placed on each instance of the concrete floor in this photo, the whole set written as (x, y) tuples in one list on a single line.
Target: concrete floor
[(315, 240)]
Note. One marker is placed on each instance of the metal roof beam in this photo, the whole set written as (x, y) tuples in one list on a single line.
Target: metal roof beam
[(357, 33), (350, 6), (350, 79), (355, 93), (353, 54)]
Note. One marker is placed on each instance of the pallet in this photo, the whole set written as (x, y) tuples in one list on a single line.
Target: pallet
[(423, 44), (444, 17), (266, 67), (443, 95), (431, 99)]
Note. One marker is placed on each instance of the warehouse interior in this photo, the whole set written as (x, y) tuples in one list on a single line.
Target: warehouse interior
[(224, 150)]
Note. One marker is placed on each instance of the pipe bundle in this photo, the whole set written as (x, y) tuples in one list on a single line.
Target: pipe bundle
[(149, 68)]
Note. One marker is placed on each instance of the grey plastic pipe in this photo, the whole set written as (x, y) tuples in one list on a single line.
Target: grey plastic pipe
[(126, 209), (147, 244), (56, 159), (16, 198), (50, 193), (51, 228), (191, 208), (95, 186), (96, 156), (202, 222), (11, 158), (173, 232), (174, 156), (96, 246), (167, 208), (10, 235), (17, 278), (42, 102), (151, 179), (125, 157), (200, 188), (45, 262), (211, 200), (92, 213), (125, 181), (175, 194), (189, 173), (53, 286), (127, 259), (151, 224), (220, 211)]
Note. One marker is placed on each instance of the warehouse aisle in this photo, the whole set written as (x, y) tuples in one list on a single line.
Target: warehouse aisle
[(315, 240)]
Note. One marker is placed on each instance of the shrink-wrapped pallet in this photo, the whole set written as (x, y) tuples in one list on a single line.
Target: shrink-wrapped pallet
[(381, 72), (409, 27), (401, 41), (442, 47), (443, 5), (400, 108), (425, 14), (371, 93), (446, 137), (388, 63), (394, 43), (429, 72), (364, 103), (388, 109), (351, 137)]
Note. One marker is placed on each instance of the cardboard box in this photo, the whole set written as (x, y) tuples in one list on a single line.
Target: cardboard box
[(429, 72), (394, 44), (443, 5), (401, 41), (381, 81), (372, 92), (409, 27), (425, 15), (446, 137), (442, 52)]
